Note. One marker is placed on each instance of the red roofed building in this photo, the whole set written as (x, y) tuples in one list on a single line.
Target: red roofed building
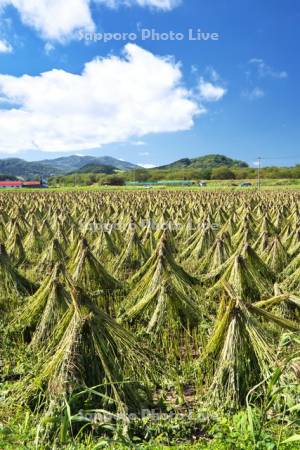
[(23, 184), (8, 184)]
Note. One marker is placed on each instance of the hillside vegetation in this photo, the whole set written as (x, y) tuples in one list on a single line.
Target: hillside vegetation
[(96, 168), (18, 167), (204, 162)]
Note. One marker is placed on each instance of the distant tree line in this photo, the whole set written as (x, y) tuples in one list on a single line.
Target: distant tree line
[(217, 173), (4, 177), (143, 175)]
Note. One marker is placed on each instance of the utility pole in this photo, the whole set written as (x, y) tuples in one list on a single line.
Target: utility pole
[(258, 172)]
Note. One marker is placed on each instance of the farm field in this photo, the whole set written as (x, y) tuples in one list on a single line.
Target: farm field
[(150, 319)]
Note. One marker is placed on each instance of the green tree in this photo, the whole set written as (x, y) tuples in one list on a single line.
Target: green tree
[(222, 173), (142, 175), (114, 180)]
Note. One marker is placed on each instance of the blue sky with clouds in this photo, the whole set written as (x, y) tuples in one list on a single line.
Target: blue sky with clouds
[(150, 99)]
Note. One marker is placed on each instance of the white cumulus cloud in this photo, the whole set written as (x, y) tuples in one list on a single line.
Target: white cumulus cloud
[(59, 20), (114, 99), (210, 92), (5, 47), (54, 19)]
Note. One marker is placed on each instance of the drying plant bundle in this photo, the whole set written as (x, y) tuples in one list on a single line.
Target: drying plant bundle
[(88, 272), (187, 228), (230, 227), (148, 240), (201, 244), (291, 283), (245, 232), (164, 309), (276, 256), (16, 251), (241, 351), (34, 243), (291, 268), (278, 297), (132, 257), (258, 268), (14, 227), (41, 313), (216, 256), (293, 242), (52, 255), (165, 231), (88, 349), (220, 216), (46, 231), (286, 305), (104, 247), (160, 269), (267, 227), (249, 276), (13, 285), (262, 243)]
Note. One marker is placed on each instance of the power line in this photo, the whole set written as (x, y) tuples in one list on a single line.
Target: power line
[(280, 157)]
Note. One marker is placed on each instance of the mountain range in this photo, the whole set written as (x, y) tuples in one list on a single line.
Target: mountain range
[(16, 167), (60, 166)]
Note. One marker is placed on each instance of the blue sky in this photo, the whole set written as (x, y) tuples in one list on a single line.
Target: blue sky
[(145, 100)]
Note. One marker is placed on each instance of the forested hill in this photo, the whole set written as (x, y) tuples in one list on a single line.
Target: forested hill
[(204, 162)]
